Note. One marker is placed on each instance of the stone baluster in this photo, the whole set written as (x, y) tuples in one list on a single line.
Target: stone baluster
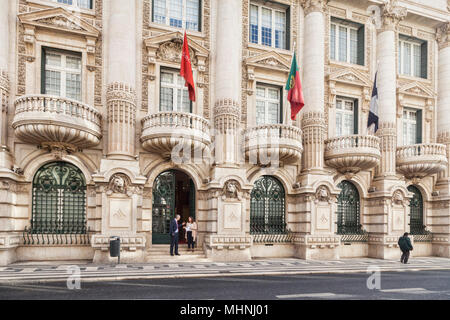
[(121, 96)]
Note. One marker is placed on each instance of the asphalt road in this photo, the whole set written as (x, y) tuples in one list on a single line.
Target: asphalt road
[(419, 285)]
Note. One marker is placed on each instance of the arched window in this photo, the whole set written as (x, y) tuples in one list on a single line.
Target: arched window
[(59, 200), (416, 211), (348, 209), (267, 207)]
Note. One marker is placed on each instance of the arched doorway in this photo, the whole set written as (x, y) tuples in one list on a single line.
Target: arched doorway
[(416, 211), (58, 200), (348, 209), (173, 193), (267, 207)]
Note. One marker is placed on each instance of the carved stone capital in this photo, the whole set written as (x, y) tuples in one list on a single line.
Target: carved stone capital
[(443, 35), (444, 137), (121, 91), (391, 15), (314, 6), (226, 115)]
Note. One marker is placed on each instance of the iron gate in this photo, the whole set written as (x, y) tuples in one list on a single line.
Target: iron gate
[(416, 212), (163, 206), (58, 200), (348, 210), (267, 207)]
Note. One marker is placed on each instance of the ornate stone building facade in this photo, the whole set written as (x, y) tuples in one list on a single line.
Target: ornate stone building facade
[(99, 139)]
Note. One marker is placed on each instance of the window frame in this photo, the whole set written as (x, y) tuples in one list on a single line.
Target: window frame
[(360, 41), (417, 123), (176, 73), (423, 51), (183, 13), (62, 69), (281, 8), (354, 112), (75, 3), (266, 100)]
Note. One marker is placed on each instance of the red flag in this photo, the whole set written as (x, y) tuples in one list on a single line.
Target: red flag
[(186, 69)]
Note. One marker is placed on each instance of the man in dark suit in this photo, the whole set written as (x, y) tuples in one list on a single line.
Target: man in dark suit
[(174, 233)]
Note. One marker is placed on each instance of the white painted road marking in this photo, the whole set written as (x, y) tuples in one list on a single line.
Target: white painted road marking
[(314, 295), (408, 290)]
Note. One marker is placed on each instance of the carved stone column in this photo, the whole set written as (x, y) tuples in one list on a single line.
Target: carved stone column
[(388, 213), (391, 15), (121, 75), (5, 157), (121, 102), (441, 226), (313, 126), (227, 87)]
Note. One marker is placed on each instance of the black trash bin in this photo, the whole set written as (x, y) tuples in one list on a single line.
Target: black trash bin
[(114, 247)]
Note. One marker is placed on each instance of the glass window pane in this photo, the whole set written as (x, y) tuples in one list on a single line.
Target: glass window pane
[(407, 58), (353, 46), (338, 104), (417, 60), (349, 106), (176, 13), (260, 92), (274, 94), (260, 112), (400, 57), (73, 86), (280, 30), (338, 124), (192, 18), (333, 42), (166, 99), (186, 104), (73, 63), (159, 11), (53, 82), (253, 24), (348, 124), (342, 44), (53, 59), (266, 27), (167, 77), (273, 112), (85, 4)]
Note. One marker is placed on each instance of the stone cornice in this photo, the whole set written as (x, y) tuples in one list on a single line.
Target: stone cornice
[(310, 6), (391, 15), (443, 35)]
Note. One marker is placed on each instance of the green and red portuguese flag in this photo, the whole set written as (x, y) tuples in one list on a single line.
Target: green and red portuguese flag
[(295, 94)]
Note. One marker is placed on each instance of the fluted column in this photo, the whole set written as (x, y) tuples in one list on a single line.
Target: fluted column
[(227, 111), (121, 96), (443, 104), (386, 79), (4, 81), (313, 121)]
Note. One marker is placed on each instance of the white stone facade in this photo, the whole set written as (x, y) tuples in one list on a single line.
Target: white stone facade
[(121, 142)]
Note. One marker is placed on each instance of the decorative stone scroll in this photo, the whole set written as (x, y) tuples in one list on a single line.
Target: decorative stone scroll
[(443, 35)]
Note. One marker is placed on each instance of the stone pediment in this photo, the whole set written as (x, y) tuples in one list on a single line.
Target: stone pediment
[(350, 76), (270, 60), (58, 19), (416, 89), (172, 41)]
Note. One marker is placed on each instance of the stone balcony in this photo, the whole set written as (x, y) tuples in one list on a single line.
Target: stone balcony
[(271, 143), (421, 160), (50, 120), (351, 154), (163, 131)]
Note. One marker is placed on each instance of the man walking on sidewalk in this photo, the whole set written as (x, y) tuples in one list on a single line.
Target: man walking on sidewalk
[(405, 245)]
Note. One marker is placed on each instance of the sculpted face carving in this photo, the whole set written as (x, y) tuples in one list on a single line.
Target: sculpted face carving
[(231, 190)]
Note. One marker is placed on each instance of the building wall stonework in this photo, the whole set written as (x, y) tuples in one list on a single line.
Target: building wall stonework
[(219, 145)]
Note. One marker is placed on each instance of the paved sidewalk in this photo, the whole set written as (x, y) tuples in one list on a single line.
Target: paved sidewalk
[(90, 272)]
